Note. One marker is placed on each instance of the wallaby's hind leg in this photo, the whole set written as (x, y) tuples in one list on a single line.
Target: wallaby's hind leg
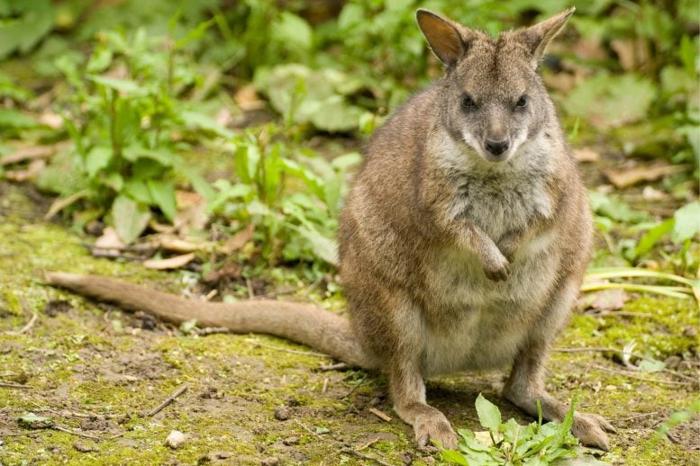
[(408, 392), (525, 386)]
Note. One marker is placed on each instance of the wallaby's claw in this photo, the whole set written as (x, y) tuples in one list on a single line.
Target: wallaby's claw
[(590, 430), (499, 272), (436, 428)]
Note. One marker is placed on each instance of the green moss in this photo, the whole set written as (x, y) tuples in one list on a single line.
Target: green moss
[(77, 361)]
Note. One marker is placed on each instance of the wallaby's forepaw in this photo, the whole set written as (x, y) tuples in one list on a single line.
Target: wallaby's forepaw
[(590, 430), (497, 269), (434, 427)]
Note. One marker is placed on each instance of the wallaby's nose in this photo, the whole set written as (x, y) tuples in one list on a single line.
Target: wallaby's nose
[(497, 147)]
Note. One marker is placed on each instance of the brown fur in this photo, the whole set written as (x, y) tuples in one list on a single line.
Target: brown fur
[(453, 257)]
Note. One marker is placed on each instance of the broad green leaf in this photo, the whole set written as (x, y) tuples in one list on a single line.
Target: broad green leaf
[(163, 194), (489, 415), (608, 101), (33, 421), (651, 365), (97, 159), (130, 218), (124, 86), (23, 23), (14, 119), (100, 60), (652, 236), (138, 190), (293, 31), (687, 222), (453, 457)]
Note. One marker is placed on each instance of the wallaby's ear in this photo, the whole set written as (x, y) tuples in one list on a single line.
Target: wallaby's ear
[(536, 38), (443, 36)]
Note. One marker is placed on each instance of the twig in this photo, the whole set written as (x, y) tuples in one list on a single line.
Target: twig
[(324, 389), (333, 367), (621, 314), (249, 285), (13, 385), (360, 455), (28, 326), (211, 330), (637, 416), (638, 377), (634, 355), (182, 389), (75, 432), (380, 414)]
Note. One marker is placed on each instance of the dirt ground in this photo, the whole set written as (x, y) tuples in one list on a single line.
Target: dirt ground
[(97, 373)]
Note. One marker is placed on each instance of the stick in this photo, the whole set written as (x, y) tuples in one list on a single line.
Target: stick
[(350, 451), (13, 385), (634, 355), (333, 367), (182, 389), (380, 414), (75, 432), (637, 377)]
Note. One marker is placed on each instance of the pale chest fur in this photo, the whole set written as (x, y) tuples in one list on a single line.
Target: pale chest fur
[(488, 320)]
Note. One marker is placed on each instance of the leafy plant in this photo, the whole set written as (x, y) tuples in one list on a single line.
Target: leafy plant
[(293, 202), (509, 443), (23, 24), (128, 123)]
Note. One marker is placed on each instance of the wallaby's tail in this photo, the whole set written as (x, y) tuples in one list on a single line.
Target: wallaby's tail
[(302, 323)]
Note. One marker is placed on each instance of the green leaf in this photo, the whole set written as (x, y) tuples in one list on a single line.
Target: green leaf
[(33, 421), (130, 218), (138, 190), (454, 457), (15, 119), (651, 237), (293, 31), (608, 101), (687, 222), (124, 86), (97, 159), (489, 415), (100, 60), (163, 194), (23, 23)]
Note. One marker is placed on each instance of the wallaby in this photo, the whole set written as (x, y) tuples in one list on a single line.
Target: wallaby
[(463, 241)]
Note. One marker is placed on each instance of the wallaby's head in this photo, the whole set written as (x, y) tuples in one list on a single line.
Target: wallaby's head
[(493, 98)]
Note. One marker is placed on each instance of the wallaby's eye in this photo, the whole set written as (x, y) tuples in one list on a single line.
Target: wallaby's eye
[(522, 102), (468, 103)]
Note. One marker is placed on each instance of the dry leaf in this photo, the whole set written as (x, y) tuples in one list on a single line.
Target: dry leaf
[(35, 166), (28, 153), (238, 240), (589, 49), (170, 263), (52, 120), (109, 240), (562, 81), (586, 154), (174, 244), (609, 300), (247, 99), (629, 176), (651, 194)]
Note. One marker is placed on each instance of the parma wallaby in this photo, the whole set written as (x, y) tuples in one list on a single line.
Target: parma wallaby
[(463, 241)]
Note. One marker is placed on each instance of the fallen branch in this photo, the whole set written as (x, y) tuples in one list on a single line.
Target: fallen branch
[(182, 389), (14, 385), (380, 414), (638, 377)]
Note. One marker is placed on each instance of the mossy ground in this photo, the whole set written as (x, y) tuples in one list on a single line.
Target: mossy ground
[(91, 359)]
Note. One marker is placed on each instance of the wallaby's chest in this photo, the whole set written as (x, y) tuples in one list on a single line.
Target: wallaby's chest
[(500, 204), (473, 322)]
